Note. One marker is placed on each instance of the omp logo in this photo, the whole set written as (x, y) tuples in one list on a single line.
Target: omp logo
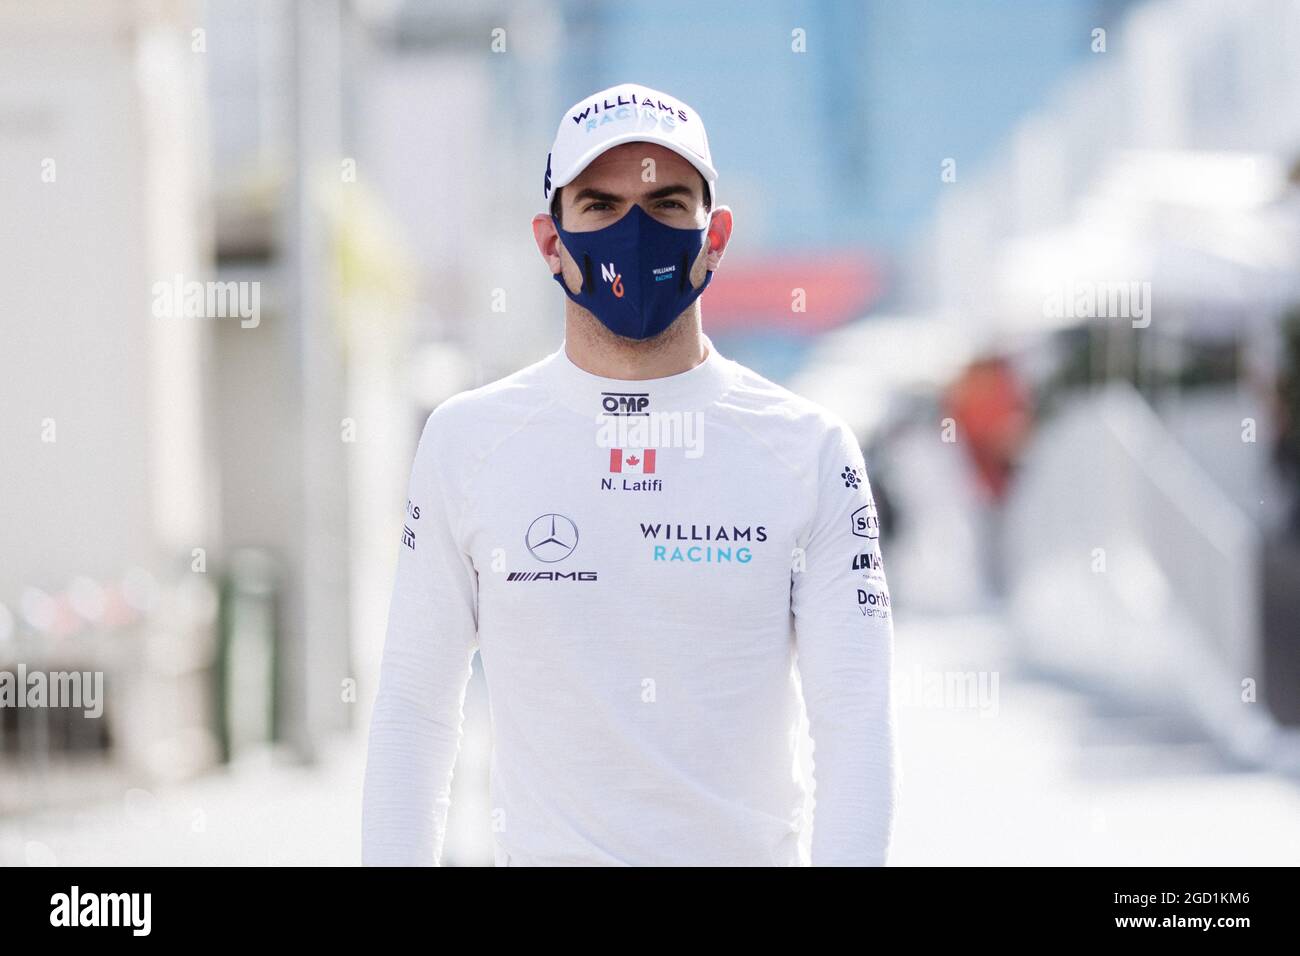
[(613, 278), (102, 909), (625, 403)]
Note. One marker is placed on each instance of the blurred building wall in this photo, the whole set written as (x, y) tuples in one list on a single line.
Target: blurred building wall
[(278, 71), (107, 490), (103, 197)]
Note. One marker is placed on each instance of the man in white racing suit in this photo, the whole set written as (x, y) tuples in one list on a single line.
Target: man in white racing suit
[(659, 555)]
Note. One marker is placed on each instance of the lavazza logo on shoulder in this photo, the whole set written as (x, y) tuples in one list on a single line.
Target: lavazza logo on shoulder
[(870, 564)]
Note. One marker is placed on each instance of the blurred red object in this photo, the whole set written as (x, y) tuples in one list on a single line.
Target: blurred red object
[(753, 294), (992, 413)]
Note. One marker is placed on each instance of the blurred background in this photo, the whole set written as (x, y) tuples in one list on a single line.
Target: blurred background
[(1050, 255)]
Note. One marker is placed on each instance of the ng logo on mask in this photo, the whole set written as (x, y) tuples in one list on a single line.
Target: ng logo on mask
[(616, 281)]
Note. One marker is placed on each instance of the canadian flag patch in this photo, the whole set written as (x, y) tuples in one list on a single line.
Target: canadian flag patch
[(626, 461)]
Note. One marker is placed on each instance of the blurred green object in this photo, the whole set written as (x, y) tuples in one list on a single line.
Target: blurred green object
[(1287, 447), (1281, 650), (1282, 549), (248, 654)]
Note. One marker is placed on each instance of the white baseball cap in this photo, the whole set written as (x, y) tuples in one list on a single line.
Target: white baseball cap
[(627, 113)]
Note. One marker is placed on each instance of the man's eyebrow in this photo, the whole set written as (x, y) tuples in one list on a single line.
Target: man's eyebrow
[(595, 194), (673, 189)]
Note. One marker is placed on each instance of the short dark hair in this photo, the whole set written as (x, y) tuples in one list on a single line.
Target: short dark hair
[(556, 209)]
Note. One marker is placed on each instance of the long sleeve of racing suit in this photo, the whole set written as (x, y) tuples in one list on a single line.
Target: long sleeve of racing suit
[(416, 725), (844, 640)]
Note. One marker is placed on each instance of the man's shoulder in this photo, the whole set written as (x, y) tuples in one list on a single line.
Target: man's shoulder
[(500, 405), (768, 404)]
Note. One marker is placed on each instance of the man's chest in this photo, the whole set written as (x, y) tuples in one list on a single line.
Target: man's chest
[(645, 537)]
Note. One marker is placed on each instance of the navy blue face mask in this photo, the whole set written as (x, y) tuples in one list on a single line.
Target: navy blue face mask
[(635, 272)]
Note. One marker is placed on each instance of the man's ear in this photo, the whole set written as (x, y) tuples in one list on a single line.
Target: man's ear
[(719, 235), (548, 240), (553, 251), (716, 237)]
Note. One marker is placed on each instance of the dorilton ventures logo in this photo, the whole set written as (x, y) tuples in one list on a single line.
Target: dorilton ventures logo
[(873, 602), (721, 544)]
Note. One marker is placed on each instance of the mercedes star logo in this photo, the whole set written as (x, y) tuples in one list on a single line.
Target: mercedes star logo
[(551, 538)]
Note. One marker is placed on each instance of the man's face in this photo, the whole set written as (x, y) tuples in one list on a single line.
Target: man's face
[(663, 184), (666, 186)]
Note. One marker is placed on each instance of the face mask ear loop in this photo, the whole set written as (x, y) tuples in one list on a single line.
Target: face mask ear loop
[(683, 278), (586, 272)]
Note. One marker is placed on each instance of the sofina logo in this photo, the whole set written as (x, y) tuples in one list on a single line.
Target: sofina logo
[(616, 281), (866, 523)]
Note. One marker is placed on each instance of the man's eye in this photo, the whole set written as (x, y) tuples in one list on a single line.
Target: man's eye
[(598, 207), (672, 202)]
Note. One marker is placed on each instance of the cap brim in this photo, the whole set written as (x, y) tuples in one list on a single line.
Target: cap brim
[(708, 172)]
